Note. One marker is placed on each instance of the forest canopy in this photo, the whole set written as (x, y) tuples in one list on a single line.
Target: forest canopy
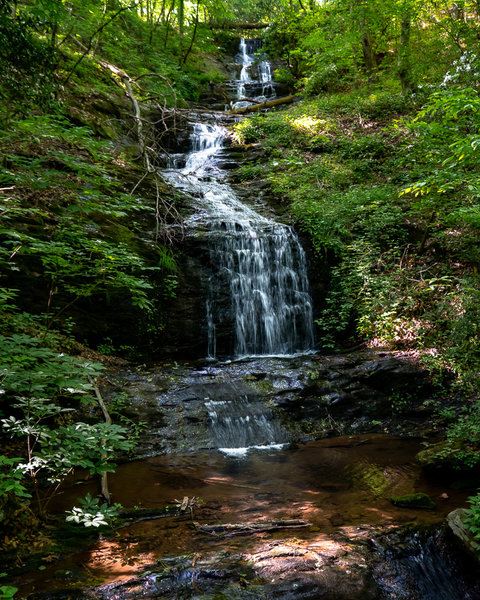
[(376, 163)]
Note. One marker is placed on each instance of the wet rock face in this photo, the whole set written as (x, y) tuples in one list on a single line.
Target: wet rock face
[(312, 396), (363, 385), (408, 566), (185, 332)]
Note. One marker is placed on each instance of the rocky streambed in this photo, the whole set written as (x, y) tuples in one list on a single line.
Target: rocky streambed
[(305, 515), (307, 396)]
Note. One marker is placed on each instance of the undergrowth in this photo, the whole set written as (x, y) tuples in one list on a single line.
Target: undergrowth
[(341, 165)]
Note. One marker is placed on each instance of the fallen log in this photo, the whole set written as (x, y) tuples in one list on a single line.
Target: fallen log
[(232, 25), (247, 99), (233, 529), (268, 104)]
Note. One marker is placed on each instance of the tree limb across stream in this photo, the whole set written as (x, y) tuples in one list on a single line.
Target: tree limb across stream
[(268, 104), (233, 529), (233, 25)]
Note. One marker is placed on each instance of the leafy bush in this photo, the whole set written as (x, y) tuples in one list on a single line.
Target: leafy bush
[(27, 61), (35, 379), (93, 514), (472, 520)]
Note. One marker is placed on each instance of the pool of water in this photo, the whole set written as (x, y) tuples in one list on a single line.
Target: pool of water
[(339, 485)]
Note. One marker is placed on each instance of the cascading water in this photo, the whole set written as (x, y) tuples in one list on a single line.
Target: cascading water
[(259, 261), (258, 299), (246, 60), (264, 266), (260, 88), (243, 424)]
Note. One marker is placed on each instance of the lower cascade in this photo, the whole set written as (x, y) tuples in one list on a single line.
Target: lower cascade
[(257, 261), (241, 424)]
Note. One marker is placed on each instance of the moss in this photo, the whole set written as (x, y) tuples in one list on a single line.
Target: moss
[(419, 500), (451, 456)]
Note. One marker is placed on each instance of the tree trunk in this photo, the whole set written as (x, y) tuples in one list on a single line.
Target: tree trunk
[(255, 107), (184, 60), (368, 54), (404, 66), (181, 24)]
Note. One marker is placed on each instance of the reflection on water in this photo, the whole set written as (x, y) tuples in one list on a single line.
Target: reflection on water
[(338, 485)]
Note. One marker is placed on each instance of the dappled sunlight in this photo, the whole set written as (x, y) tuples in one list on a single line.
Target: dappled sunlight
[(337, 489), (308, 124), (294, 547), (117, 562)]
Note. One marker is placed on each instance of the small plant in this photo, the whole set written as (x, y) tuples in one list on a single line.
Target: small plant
[(400, 402), (93, 514), (447, 414), (472, 521), (7, 592)]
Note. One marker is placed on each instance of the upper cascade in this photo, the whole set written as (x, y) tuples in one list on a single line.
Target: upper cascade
[(258, 300), (255, 79)]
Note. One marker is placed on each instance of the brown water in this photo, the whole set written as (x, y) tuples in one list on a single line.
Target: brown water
[(338, 485)]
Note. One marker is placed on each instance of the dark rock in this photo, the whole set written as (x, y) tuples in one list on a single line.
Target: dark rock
[(419, 500), (456, 524)]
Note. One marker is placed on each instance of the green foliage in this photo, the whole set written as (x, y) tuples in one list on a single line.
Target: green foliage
[(35, 380), (472, 519), (446, 143), (11, 480), (7, 592), (28, 366), (463, 439), (27, 61), (118, 408), (68, 240), (93, 514)]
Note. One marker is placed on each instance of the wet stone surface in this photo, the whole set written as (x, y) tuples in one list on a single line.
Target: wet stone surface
[(365, 564), (310, 396)]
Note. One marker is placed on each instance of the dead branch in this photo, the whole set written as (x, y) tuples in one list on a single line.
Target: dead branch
[(164, 79), (268, 104), (250, 528)]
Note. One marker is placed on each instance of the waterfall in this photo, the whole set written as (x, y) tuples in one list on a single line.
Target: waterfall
[(258, 296), (259, 262), (246, 60), (264, 266), (260, 88), (243, 424)]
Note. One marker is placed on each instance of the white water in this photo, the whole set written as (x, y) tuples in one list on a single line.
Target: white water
[(240, 425), (246, 60), (258, 261), (258, 300), (261, 88)]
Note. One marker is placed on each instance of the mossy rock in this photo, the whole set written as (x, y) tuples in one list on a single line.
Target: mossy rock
[(450, 456), (456, 523), (419, 500)]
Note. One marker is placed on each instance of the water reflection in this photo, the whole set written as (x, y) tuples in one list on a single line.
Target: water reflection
[(341, 486)]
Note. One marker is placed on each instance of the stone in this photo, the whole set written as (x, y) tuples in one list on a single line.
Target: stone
[(450, 458), (420, 500), (455, 523)]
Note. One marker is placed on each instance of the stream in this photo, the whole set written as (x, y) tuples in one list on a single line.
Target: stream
[(242, 467), (341, 487)]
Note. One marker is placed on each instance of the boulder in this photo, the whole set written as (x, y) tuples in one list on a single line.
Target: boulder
[(419, 500)]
